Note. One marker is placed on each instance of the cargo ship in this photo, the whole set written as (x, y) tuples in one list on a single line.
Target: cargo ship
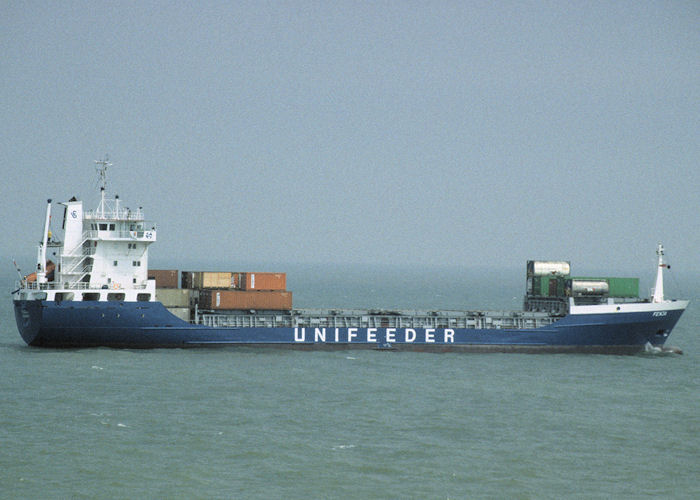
[(99, 292)]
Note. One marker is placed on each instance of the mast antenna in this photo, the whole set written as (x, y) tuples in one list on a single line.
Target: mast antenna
[(659, 287), (101, 167)]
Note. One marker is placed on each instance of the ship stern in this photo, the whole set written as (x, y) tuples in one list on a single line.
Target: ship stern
[(28, 316)]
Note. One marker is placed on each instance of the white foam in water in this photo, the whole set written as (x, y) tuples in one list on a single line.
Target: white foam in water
[(343, 447), (661, 351), (650, 349), (95, 367)]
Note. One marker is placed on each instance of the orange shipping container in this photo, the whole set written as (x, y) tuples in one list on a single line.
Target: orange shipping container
[(263, 281), (241, 299)]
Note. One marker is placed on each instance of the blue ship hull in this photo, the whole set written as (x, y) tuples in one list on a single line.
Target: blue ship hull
[(151, 325)]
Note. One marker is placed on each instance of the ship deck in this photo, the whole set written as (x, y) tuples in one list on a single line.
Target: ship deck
[(352, 318)]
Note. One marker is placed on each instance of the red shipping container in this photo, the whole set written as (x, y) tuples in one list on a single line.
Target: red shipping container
[(164, 278)]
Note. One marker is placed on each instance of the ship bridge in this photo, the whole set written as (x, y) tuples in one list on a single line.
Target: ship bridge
[(111, 222), (106, 247)]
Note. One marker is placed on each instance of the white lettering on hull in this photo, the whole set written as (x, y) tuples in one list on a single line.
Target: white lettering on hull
[(409, 335), (320, 335), (374, 335), (371, 334)]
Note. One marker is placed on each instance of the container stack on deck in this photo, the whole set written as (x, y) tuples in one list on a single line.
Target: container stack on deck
[(549, 286), (168, 293), (234, 292), (239, 291)]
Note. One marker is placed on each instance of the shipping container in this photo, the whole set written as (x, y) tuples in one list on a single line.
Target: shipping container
[(164, 278), (624, 287), (546, 286), (211, 279), (261, 281), (234, 280), (173, 297), (206, 279), (241, 299)]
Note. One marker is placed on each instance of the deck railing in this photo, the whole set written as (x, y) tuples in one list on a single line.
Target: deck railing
[(478, 320), (56, 285)]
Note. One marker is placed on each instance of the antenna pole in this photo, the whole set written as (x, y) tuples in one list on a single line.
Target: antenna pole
[(659, 287), (101, 167)]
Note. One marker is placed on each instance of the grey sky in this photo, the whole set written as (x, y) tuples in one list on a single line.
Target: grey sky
[(370, 132)]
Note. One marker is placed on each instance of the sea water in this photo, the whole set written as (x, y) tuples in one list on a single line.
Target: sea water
[(247, 423)]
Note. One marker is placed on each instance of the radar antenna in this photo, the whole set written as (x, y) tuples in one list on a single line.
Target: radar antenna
[(101, 167)]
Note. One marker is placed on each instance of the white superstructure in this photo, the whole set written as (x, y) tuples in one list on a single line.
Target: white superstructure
[(103, 255), (657, 304)]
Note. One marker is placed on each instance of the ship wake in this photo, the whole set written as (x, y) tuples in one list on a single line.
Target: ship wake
[(652, 350)]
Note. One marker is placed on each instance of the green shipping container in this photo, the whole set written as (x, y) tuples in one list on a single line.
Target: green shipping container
[(548, 286), (624, 287)]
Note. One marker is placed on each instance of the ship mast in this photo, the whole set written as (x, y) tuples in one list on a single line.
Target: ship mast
[(41, 258), (101, 167), (659, 287)]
